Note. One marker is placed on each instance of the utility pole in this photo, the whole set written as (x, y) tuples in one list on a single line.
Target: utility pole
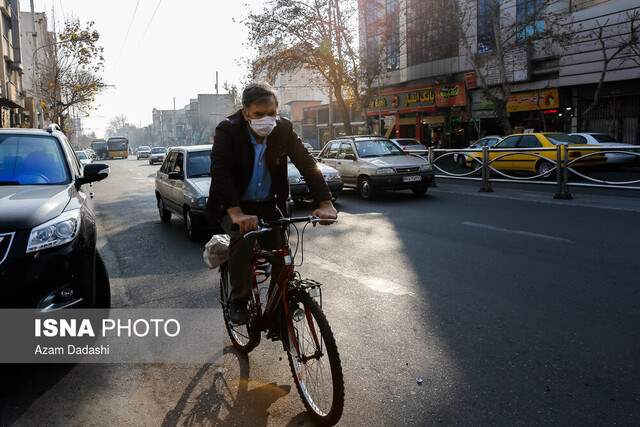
[(216, 83), (330, 113), (34, 76)]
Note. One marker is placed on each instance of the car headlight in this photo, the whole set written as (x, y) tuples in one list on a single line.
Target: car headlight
[(332, 177), (202, 202), (385, 171), (294, 180), (425, 168), (58, 231)]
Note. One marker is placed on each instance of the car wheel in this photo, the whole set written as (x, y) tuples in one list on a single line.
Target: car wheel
[(365, 188), (103, 287), (190, 226), (420, 191), (544, 169), (165, 215)]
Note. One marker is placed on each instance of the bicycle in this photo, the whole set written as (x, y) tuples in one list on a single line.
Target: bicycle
[(293, 314)]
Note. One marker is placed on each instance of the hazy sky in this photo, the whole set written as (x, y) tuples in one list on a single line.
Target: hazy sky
[(184, 45)]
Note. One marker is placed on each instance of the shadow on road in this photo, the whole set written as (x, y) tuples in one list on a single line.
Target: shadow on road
[(225, 401), (21, 385)]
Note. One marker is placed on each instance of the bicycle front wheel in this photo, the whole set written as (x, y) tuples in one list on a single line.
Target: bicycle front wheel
[(314, 360)]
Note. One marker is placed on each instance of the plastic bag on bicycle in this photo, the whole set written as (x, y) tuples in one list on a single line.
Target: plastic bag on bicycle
[(216, 251)]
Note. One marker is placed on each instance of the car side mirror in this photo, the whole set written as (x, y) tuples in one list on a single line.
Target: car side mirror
[(93, 172), (175, 175)]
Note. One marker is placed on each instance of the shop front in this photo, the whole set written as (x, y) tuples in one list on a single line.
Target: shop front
[(537, 110), (433, 114)]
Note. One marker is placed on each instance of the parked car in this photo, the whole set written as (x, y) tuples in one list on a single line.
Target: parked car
[(488, 141), (182, 188), (410, 145), (157, 155), (48, 255), (609, 141), (373, 164), (300, 190), (524, 161), (143, 152), (83, 157)]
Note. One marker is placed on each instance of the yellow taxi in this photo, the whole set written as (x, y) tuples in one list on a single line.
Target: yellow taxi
[(524, 161)]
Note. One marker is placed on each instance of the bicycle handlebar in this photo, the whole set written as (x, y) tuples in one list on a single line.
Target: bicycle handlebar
[(267, 226)]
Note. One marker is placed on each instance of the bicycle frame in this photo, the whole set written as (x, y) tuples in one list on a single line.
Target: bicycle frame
[(280, 294)]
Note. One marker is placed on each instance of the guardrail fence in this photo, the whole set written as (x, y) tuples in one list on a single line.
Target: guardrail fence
[(569, 164)]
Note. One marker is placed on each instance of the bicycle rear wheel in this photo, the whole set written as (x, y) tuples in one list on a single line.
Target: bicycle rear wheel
[(316, 369), (243, 337)]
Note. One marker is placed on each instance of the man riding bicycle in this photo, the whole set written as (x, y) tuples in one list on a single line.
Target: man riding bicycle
[(249, 181)]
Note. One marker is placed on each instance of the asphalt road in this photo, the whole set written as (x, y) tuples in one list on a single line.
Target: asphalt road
[(513, 309)]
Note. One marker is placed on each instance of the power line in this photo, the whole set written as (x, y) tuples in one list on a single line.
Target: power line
[(151, 20), (126, 37)]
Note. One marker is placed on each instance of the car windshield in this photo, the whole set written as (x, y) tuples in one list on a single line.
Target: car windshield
[(81, 155), (199, 164), (158, 150), (144, 148), (563, 139), (31, 160), (377, 148), (600, 137), (407, 142)]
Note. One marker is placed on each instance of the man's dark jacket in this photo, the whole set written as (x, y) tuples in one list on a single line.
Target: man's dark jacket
[(232, 159)]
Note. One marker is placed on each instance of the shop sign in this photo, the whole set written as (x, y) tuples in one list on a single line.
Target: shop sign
[(543, 99), (420, 99), (451, 95), (470, 79)]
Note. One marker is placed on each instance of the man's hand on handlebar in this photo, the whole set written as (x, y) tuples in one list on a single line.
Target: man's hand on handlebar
[(246, 223), (326, 211)]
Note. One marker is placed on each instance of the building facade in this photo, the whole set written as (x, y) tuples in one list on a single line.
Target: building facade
[(34, 38), (12, 96), (428, 88)]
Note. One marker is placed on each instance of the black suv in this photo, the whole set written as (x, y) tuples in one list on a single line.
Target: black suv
[(48, 257)]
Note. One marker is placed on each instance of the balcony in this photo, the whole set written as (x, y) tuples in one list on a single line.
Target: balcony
[(7, 48), (5, 7), (12, 98)]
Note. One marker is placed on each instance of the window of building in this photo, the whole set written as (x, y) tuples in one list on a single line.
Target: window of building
[(529, 18), (431, 31), (487, 13)]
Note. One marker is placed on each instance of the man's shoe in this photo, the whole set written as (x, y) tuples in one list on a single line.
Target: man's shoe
[(238, 312)]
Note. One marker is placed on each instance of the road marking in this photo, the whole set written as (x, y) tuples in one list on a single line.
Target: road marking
[(518, 232)]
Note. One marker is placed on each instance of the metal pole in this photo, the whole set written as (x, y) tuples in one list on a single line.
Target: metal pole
[(330, 113), (562, 175), (486, 182), (431, 156)]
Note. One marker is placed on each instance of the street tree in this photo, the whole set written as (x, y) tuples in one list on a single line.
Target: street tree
[(116, 124), (69, 72), (617, 44), (498, 53), (320, 35)]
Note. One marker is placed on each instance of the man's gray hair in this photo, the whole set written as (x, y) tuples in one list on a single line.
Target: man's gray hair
[(258, 93)]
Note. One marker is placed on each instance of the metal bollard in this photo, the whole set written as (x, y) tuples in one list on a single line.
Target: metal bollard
[(486, 182), (431, 156), (562, 174)]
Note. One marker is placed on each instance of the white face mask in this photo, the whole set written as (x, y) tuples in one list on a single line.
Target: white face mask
[(263, 126)]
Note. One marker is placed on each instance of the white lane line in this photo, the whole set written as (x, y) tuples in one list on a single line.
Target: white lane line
[(518, 232)]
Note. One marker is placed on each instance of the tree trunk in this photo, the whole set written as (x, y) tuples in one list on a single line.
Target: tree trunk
[(503, 116), (345, 112)]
